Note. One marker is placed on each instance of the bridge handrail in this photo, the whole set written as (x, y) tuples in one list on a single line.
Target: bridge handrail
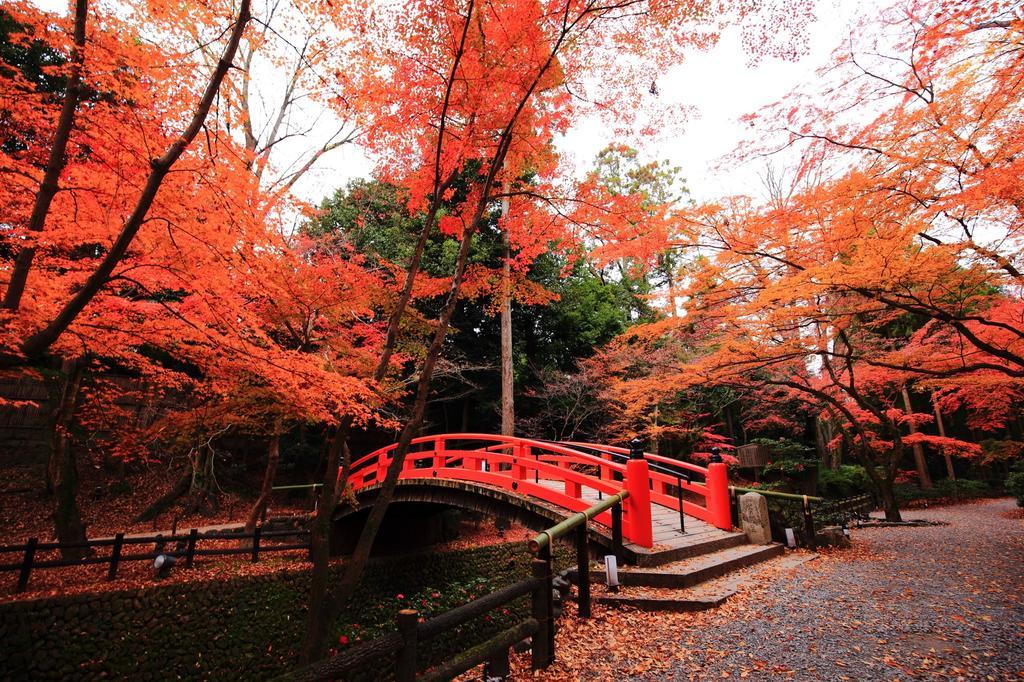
[(545, 537), (556, 448), (651, 457)]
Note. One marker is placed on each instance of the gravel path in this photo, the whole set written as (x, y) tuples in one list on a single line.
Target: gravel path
[(937, 602)]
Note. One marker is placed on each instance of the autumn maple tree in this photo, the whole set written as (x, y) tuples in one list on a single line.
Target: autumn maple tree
[(890, 261)]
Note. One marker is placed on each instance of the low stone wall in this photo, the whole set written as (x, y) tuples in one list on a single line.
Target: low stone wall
[(241, 627)]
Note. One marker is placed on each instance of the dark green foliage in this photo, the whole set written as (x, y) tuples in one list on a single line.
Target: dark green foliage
[(786, 449), (1015, 483), (589, 308), (846, 481), (963, 488)]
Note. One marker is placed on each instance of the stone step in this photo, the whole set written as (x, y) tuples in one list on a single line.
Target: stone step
[(692, 571), (658, 557), (662, 603)]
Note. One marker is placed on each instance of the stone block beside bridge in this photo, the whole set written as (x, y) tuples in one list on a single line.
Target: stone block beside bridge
[(754, 518)]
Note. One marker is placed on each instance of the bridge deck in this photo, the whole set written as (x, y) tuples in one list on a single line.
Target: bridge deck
[(665, 523)]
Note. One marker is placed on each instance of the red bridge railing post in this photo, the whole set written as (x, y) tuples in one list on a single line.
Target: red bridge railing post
[(520, 453), (718, 491), (638, 504), (439, 456)]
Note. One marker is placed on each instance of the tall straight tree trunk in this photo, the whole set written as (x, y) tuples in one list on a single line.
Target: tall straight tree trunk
[(922, 466), (508, 416), (950, 472), (67, 519)]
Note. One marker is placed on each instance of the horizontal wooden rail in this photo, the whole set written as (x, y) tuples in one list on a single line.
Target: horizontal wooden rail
[(563, 527), (478, 607), (772, 493), (360, 657), (482, 653), (176, 546)]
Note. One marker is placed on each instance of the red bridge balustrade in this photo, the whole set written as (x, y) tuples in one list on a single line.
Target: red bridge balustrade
[(568, 475)]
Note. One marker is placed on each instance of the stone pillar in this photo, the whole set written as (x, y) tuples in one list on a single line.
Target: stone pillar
[(754, 518)]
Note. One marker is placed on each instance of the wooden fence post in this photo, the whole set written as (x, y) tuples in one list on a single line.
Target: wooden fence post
[(583, 570), (256, 543), (26, 564), (115, 556), (405, 663), (541, 596), (812, 536), (190, 548), (498, 666)]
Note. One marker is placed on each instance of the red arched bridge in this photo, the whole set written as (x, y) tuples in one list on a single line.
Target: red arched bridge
[(570, 476)]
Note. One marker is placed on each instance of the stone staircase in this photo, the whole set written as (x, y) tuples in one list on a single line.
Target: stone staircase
[(679, 584)]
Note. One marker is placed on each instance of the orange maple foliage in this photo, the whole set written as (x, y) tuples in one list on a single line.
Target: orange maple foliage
[(893, 259)]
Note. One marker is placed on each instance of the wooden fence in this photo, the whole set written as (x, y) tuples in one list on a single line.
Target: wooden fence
[(184, 546), (403, 646)]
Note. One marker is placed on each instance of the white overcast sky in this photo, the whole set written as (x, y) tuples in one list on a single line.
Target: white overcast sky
[(718, 84)]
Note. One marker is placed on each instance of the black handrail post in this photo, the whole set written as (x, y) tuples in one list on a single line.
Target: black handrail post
[(256, 543), (405, 663), (540, 656), (583, 570), (617, 531), (812, 539), (115, 556), (190, 548), (26, 564), (679, 497)]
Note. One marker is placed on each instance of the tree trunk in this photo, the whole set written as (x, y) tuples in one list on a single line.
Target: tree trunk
[(318, 618), (162, 503), (923, 476), (508, 399), (201, 492), (55, 163), (883, 484), (329, 608), (888, 495), (656, 441), (67, 519), (942, 432), (273, 455)]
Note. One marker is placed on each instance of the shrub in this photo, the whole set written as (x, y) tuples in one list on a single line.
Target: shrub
[(1015, 483), (784, 448), (846, 481), (964, 488)]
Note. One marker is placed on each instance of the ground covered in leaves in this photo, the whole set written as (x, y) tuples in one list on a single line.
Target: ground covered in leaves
[(935, 602)]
